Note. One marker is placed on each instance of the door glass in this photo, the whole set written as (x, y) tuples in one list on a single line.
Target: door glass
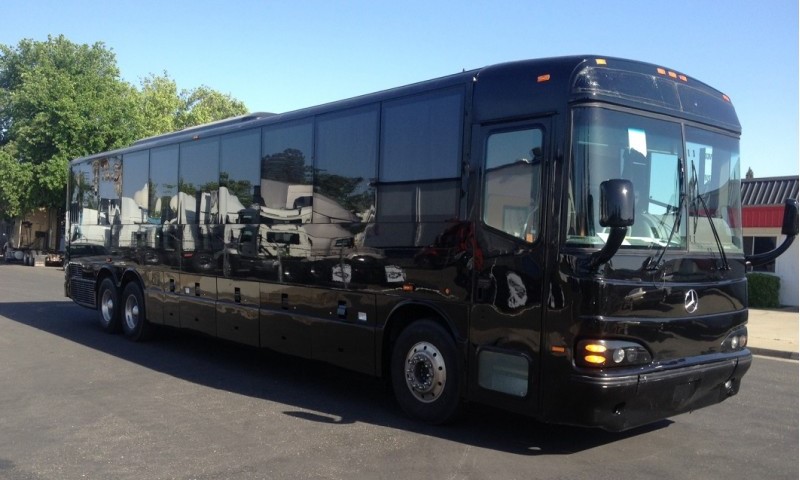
[(512, 184)]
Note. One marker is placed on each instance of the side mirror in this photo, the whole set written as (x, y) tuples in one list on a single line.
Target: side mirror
[(616, 203), (789, 227)]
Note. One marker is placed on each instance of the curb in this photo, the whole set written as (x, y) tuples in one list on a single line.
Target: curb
[(766, 352)]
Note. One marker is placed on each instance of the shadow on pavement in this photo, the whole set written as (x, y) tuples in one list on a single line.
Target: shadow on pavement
[(312, 391)]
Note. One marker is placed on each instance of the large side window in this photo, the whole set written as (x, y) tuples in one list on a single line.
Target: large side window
[(94, 200), (82, 196), (163, 184), (421, 137), (135, 189), (239, 175), (346, 162), (420, 168), (199, 169), (512, 187), (286, 167)]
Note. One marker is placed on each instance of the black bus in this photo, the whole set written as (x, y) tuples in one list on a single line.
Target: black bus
[(559, 238)]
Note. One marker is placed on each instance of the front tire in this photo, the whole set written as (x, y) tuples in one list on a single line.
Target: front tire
[(108, 306), (134, 317), (426, 373)]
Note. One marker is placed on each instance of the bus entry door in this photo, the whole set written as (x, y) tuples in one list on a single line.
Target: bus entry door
[(506, 319)]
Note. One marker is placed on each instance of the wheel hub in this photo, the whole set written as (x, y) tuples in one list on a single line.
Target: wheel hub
[(131, 313), (425, 371), (107, 306)]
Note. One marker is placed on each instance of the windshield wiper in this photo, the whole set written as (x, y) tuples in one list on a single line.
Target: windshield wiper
[(717, 240), (655, 265)]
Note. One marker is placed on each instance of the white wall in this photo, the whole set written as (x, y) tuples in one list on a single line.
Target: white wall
[(786, 268)]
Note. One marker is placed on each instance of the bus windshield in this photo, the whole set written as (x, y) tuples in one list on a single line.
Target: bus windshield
[(715, 199), (650, 153)]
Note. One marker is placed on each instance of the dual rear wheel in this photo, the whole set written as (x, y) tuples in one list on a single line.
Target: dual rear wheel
[(125, 311)]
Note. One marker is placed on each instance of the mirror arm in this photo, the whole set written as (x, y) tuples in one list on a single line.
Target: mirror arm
[(603, 255), (766, 257), (789, 229)]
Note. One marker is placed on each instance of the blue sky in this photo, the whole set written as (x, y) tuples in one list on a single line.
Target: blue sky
[(282, 55)]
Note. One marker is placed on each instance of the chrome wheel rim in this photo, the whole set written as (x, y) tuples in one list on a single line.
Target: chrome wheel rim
[(425, 372), (107, 306), (131, 312)]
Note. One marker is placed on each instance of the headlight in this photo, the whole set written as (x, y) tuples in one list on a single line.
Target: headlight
[(611, 353), (736, 341)]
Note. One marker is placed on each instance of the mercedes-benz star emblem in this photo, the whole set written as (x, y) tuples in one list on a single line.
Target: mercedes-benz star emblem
[(690, 301)]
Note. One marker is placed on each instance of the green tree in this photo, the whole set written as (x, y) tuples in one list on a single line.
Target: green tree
[(162, 108), (203, 105), (159, 105), (59, 101), (15, 183)]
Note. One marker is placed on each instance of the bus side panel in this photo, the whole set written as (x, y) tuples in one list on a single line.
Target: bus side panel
[(198, 298), (345, 334), (333, 326), (281, 330), (237, 311), (154, 295)]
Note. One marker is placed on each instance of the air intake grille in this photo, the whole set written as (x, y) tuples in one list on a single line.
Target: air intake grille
[(82, 291), (74, 270)]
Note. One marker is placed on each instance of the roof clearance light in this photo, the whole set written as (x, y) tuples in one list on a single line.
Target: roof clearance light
[(683, 77), (600, 61), (661, 71), (543, 78), (672, 74), (726, 98)]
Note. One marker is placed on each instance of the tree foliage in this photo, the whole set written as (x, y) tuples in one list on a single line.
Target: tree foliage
[(15, 182), (60, 100), (159, 105), (203, 105)]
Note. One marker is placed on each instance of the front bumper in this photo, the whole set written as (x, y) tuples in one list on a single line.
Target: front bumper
[(621, 402)]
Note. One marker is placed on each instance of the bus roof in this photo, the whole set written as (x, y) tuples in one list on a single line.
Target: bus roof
[(520, 88)]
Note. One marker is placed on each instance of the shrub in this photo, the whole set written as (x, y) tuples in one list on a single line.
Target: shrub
[(763, 290)]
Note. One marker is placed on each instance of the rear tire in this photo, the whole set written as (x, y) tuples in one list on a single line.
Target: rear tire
[(426, 373), (134, 317), (108, 306)]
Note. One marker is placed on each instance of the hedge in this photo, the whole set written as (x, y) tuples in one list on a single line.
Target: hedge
[(763, 290)]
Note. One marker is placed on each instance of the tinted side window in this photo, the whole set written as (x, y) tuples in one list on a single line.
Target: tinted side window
[(109, 188), (163, 183), (346, 160), (286, 164), (240, 165), (135, 190), (199, 169), (82, 195), (421, 137)]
